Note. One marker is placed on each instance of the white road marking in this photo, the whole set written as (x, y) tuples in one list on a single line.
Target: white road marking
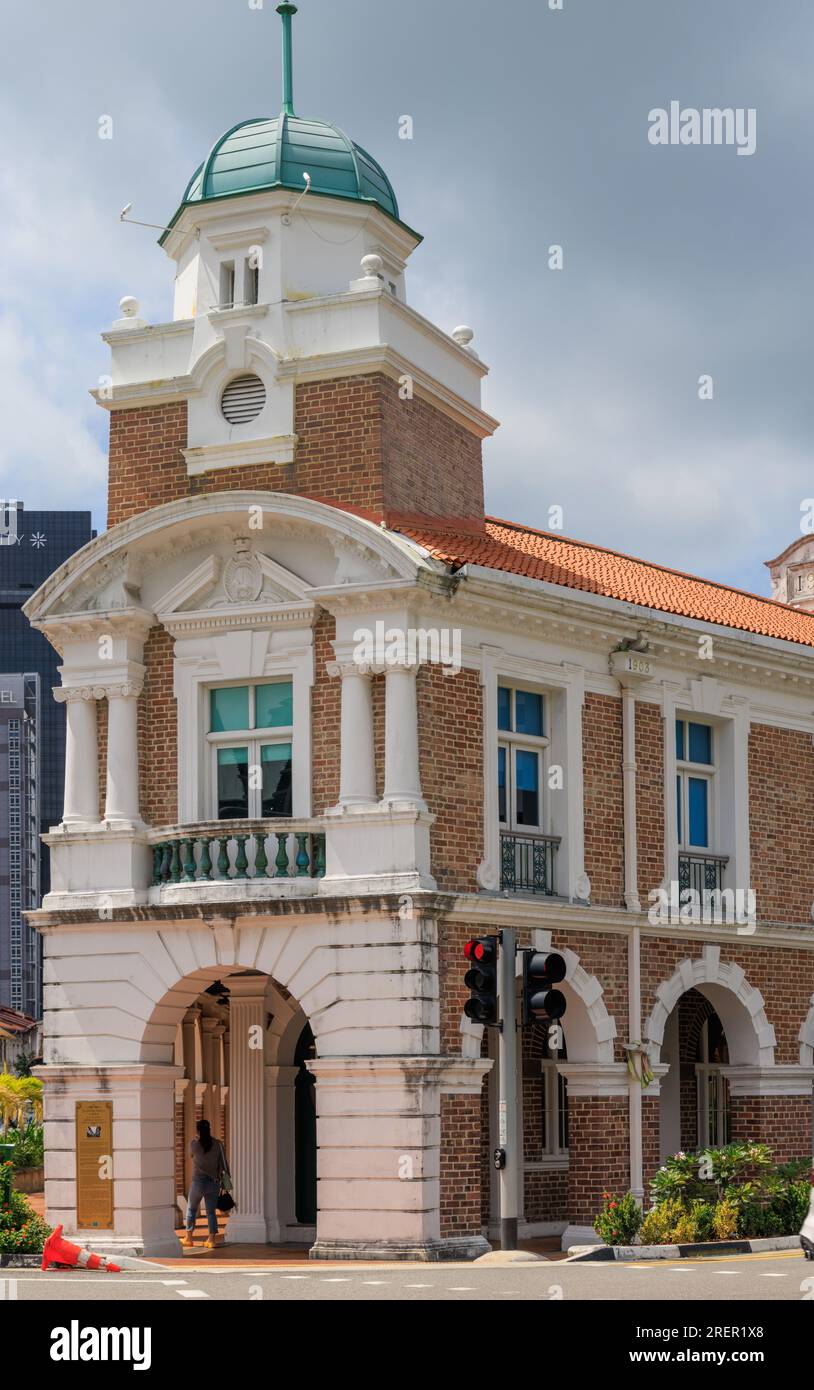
[(173, 1281), (461, 1288), (374, 1281), (774, 1274), (341, 1280), (728, 1271), (419, 1286), (191, 1293), (295, 1276)]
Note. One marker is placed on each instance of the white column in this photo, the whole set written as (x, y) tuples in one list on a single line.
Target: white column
[(81, 756), (208, 1026), (189, 1026), (247, 1130), (357, 778), (280, 1149), (122, 802), (402, 781)]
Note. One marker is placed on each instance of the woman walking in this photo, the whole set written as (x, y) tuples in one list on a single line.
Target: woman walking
[(208, 1167)]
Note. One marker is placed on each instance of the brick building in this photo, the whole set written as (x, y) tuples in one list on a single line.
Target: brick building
[(326, 720)]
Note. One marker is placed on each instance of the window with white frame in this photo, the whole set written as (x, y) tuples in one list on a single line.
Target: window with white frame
[(249, 742), (695, 774), (521, 753), (714, 1105)]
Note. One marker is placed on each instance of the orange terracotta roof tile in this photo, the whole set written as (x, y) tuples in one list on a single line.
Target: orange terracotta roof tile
[(595, 570)]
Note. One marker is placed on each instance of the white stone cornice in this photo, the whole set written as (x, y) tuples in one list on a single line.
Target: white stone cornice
[(92, 624), (237, 617), (601, 1079), (280, 448), (781, 1080)]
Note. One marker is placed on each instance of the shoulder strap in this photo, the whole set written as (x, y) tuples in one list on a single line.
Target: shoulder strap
[(223, 1158)]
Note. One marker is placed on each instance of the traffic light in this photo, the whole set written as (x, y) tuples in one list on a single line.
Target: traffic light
[(541, 970), (481, 979)]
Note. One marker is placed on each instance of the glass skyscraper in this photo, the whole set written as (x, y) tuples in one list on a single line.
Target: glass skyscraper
[(32, 545)]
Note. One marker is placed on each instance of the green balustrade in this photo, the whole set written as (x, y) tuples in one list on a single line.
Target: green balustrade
[(281, 861), (188, 858), (206, 860)]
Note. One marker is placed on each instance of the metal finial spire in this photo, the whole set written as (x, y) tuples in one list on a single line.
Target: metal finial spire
[(286, 11)]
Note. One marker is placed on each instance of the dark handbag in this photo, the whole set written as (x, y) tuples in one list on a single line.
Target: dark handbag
[(226, 1201)]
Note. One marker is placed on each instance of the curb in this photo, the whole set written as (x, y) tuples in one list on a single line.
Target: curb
[(603, 1253), (12, 1261)]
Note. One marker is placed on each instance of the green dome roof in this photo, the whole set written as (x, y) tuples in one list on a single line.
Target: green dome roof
[(275, 152)]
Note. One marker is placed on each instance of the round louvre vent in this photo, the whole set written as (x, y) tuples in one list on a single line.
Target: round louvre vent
[(243, 399)]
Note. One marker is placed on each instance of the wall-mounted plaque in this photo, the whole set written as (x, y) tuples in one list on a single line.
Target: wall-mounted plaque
[(94, 1164)]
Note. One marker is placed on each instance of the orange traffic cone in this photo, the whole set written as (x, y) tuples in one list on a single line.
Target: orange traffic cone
[(64, 1253)]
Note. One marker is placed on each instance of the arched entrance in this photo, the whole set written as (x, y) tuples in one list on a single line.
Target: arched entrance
[(240, 1042), (694, 1102), (710, 1027)]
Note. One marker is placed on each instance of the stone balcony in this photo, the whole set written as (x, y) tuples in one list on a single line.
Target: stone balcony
[(103, 866)]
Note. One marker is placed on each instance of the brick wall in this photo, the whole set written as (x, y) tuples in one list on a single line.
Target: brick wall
[(782, 1122), (359, 445), (599, 1153), (146, 467), (604, 825), (649, 798), (431, 465), (326, 718), (450, 731), (460, 1166), (158, 733), (781, 807)]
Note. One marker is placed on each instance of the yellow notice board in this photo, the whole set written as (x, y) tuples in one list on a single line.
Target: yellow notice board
[(94, 1164)]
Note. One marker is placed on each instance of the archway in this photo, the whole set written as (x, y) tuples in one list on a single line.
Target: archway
[(240, 1041), (707, 1020)]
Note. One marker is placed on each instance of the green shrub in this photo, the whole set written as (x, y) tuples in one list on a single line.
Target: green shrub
[(660, 1223), (710, 1174), (704, 1213), (22, 1231), (28, 1146), (725, 1220), (619, 1220)]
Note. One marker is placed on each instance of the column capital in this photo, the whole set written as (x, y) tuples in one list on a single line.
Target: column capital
[(66, 694), (245, 988), (350, 668), (121, 690)]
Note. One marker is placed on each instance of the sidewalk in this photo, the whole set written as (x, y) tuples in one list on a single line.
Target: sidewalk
[(291, 1256)]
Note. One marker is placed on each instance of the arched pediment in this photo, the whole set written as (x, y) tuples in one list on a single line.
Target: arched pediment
[(224, 553)]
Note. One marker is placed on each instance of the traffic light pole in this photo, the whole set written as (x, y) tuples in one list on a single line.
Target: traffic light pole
[(507, 1093)]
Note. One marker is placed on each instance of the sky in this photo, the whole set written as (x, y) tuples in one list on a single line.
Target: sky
[(530, 130)]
